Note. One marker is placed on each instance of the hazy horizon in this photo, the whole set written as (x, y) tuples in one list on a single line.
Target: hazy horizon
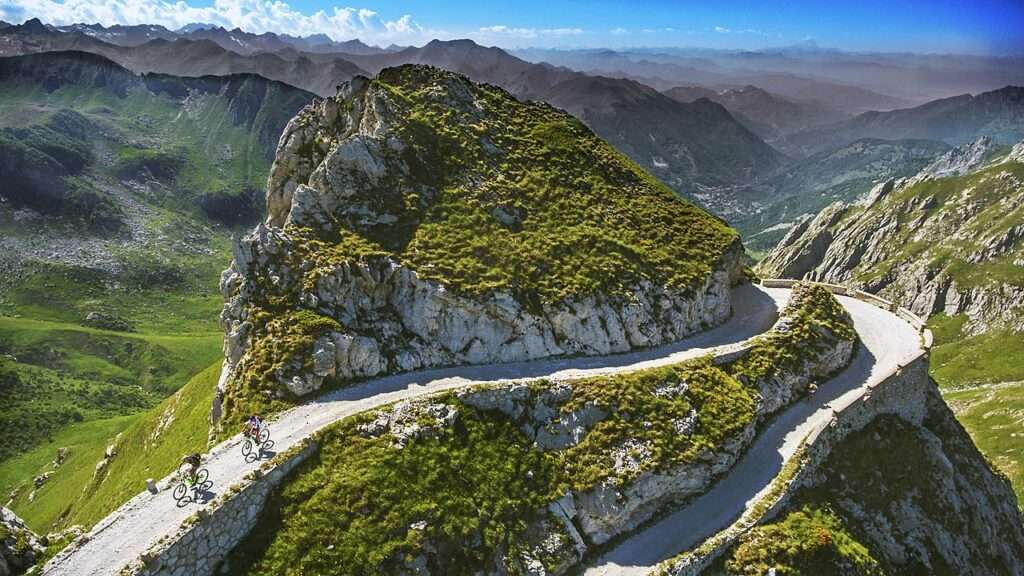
[(989, 28)]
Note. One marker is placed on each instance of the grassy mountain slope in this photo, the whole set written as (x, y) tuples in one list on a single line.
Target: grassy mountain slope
[(146, 445), (114, 232), (571, 187)]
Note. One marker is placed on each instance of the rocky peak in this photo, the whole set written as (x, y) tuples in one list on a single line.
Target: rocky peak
[(958, 161), (343, 162), (1016, 154), (419, 219)]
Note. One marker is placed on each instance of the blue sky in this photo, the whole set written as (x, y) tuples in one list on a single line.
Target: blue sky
[(978, 26)]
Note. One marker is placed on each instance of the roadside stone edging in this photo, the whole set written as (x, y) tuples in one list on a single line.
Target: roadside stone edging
[(902, 393), (206, 538)]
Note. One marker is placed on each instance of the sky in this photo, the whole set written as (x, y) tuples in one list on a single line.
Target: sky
[(945, 26)]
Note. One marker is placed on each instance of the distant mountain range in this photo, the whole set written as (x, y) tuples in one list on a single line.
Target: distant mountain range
[(714, 140), (669, 138), (236, 40), (767, 115), (998, 114), (846, 81), (184, 57)]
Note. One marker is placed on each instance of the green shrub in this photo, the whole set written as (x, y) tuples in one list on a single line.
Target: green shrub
[(357, 503), (806, 541)]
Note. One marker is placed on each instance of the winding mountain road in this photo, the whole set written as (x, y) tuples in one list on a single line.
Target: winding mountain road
[(887, 341), (136, 526)]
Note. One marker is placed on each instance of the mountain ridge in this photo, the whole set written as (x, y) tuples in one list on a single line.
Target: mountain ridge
[(954, 120), (697, 163)]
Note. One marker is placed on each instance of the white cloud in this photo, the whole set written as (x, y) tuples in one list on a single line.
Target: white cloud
[(724, 30), (619, 32), (258, 16), (250, 15), (658, 30), (527, 33)]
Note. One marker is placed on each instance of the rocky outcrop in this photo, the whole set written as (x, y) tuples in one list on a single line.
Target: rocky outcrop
[(349, 166), (934, 243), (394, 321), (804, 246), (19, 546), (952, 515), (958, 161)]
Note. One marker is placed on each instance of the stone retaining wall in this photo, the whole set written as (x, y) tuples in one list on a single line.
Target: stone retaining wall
[(902, 393), (200, 545)]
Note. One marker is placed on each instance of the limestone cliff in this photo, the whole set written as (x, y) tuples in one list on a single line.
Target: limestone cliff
[(947, 240), (418, 219)]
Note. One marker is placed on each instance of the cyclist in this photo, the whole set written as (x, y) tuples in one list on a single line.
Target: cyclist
[(193, 467), (253, 425)]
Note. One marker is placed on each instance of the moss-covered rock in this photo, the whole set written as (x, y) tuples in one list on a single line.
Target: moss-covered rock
[(19, 546)]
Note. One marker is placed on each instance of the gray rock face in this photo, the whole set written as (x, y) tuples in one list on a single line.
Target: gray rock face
[(395, 321), (958, 161), (20, 548), (408, 420), (804, 246), (953, 517)]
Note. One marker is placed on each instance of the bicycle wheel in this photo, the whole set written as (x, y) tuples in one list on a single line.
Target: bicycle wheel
[(202, 476), (264, 435), (179, 491), (246, 447)]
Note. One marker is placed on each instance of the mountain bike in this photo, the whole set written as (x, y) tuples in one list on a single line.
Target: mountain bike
[(187, 482), (259, 442)]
